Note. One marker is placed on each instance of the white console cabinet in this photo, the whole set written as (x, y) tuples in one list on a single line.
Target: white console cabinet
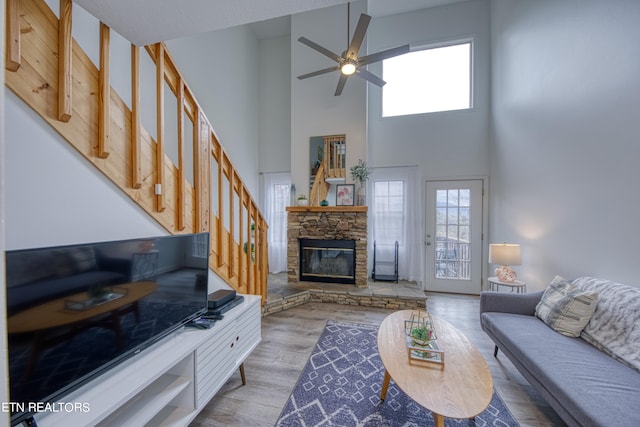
[(169, 383)]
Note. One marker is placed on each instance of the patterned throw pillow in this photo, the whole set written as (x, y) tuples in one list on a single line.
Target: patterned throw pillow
[(565, 308), (614, 326)]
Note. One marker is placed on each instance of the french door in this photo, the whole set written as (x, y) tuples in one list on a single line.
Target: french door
[(453, 236)]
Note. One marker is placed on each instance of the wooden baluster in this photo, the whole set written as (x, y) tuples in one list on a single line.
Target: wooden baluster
[(180, 209), (220, 202), (65, 51), (202, 176), (327, 155), (104, 93), (250, 247), (241, 255), (12, 35), (341, 147), (136, 168), (263, 259), (160, 201), (230, 243)]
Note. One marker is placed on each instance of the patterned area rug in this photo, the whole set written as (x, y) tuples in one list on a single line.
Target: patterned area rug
[(340, 386)]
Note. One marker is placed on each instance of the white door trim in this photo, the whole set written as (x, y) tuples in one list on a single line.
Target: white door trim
[(484, 266)]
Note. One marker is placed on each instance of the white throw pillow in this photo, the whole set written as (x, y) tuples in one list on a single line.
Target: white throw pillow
[(565, 308), (614, 326)]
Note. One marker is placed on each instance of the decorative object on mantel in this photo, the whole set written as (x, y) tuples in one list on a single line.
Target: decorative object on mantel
[(360, 175), (324, 202), (505, 254), (302, 200), (344, 194), (292, 196)]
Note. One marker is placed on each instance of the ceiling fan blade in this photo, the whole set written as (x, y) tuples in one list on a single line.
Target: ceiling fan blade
[(385, 54), (317, 73), (320, 49), (370, 77), (341, 82), (358, 36)]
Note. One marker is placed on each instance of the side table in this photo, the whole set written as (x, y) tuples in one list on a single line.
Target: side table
[(516, 285)]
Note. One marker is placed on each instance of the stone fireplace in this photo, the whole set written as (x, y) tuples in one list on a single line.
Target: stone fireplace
[(331, 241)]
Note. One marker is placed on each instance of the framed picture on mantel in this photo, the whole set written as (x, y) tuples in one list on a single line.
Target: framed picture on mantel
[(344, 194)]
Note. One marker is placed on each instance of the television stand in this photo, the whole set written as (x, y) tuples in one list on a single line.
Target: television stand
[(170, 382)]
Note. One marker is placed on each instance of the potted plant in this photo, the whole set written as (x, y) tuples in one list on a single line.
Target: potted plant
[(302, 200), (360, 175)]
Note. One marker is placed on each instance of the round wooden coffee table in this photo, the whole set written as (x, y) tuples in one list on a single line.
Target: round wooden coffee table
[(461, 388)]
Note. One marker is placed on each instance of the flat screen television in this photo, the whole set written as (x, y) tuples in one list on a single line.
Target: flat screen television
[(73, 312)]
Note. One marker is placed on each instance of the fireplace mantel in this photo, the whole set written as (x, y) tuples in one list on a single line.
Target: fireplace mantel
[(327, 208)]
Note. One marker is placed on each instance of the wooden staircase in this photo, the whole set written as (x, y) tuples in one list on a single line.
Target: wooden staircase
[(51, 73), (332, 168)]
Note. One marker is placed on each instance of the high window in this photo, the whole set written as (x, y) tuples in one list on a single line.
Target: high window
[(428, 80)]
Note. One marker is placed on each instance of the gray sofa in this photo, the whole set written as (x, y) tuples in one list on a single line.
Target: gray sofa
[(590, 380)]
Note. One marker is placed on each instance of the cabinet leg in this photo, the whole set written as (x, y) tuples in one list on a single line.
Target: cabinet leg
[(244, 379)]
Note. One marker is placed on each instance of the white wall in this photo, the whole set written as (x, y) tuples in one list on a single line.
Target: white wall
[(446, 144), (47, 204), (221, 68), (274, 102), (315, 111), (564, 171)]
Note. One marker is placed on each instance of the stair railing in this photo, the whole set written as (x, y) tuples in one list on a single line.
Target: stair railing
[(51, 73)]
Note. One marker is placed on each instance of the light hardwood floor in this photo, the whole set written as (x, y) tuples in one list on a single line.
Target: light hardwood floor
[(288, 338)]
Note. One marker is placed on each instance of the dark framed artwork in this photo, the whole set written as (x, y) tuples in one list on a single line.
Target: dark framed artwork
[(345, 194)]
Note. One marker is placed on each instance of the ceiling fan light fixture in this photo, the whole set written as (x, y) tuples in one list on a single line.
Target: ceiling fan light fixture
[(349, 63), (348, 67)]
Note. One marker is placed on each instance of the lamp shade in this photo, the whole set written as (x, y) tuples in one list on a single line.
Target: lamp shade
[(505, 254)]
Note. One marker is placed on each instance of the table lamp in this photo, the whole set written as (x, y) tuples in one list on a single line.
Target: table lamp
[(505, 254)]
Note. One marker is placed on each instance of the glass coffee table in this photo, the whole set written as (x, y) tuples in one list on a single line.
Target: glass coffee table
[(460, 388)]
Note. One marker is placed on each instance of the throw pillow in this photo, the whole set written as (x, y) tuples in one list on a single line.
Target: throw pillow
[(565, 308), (613, 328)]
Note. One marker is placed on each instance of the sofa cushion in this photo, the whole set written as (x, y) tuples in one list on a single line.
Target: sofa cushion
[(591, 388), (615, 325), (565, 308)]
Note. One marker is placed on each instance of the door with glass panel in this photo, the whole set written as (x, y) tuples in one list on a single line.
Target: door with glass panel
[(453, 236)]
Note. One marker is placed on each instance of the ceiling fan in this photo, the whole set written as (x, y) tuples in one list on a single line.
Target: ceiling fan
[(348, 62)]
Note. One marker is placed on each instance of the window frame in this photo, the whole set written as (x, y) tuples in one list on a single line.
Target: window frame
[(416, 47)]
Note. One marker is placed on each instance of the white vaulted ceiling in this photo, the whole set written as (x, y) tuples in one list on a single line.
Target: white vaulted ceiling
[(148, 21)]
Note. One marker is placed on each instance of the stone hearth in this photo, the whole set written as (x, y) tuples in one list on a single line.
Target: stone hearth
[(327, 222)]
